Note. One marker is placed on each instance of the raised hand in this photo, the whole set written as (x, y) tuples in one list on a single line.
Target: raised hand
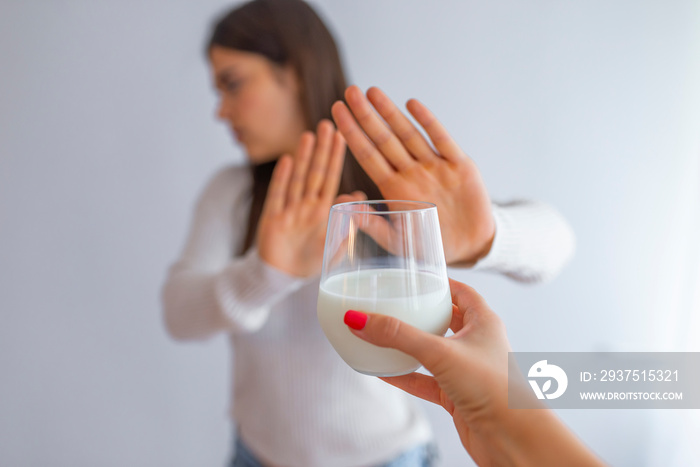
[(405, 166), (292, 226)]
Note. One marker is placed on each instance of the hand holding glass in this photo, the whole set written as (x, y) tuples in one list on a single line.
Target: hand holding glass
[(383, 257)]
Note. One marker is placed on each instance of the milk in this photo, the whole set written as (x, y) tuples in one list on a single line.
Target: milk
[(419, 299)]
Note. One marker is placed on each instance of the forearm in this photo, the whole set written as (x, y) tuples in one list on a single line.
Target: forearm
[(236, 299), (528, 436), (538, 438), (191, 310), (532, 435)]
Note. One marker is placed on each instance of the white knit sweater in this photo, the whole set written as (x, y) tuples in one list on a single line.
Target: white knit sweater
[(294, 401)]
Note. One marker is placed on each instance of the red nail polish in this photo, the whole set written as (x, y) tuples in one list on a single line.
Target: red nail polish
[(355, 319)]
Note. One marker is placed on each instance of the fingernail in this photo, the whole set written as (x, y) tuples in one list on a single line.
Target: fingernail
[(355, 319)]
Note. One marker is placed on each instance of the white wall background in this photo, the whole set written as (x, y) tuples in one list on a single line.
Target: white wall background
[(107, 136)]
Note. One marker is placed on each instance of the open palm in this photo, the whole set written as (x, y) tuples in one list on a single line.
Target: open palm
[(293, 222), (405, 166)]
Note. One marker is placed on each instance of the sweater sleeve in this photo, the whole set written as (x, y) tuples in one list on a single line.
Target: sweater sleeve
[(207, 289), (532, 243)]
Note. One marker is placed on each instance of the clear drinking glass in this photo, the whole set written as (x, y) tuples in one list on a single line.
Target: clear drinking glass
[(383, 257)]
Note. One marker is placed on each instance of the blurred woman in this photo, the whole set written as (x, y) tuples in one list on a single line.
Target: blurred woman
[(253, 255)]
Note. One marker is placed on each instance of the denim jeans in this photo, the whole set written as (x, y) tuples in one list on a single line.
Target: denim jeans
[(424, 455)]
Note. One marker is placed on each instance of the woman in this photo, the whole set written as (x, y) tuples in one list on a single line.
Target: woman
[(251, 261)]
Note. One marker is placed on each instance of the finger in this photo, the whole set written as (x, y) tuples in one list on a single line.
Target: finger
[(468, 302), (402, 127), (371, 161), (445, 145), (335, 168), (417, 384), (339, 253), (319, 163), (369, 221), (352, 197), (457, 321), (276, 197), (378, 228), (381, 135), (387, 331), (301, 165)]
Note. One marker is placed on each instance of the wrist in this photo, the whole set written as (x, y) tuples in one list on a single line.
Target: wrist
[(537, 437), (485, 249), (528, 436), (474, 250)]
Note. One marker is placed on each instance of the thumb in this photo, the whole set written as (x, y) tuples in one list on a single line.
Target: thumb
[(386, 331)]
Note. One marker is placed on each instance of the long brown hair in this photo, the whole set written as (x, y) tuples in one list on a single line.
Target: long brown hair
[(289, 32)]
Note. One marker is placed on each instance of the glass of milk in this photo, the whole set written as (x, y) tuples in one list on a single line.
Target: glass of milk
[(383, 257)]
